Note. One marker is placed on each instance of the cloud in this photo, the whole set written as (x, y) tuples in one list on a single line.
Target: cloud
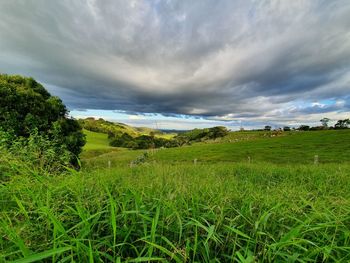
[(220, 60)]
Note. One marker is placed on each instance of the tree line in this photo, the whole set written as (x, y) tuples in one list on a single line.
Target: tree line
[(340, 124)]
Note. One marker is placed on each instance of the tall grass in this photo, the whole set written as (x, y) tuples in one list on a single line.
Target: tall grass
[(179, 213)]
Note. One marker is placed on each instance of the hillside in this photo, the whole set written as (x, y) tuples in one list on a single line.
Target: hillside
[(96, 141), (103, 126), (291, 147)]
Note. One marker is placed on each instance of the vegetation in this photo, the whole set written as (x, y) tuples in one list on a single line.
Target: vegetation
[(121, 135), (287, 148), (26, 107), (342, 124), (200, 135), (156, 211), (111, 128), (96, 141), (185, 213)]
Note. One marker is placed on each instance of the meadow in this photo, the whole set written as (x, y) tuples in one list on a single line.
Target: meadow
[(276, 206)]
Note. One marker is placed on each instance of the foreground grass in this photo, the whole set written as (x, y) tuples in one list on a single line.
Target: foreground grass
[(183, 213)]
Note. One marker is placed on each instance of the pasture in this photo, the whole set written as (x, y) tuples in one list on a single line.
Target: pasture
[(279, 207)]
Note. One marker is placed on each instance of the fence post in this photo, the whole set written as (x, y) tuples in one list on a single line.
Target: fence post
[(109, 164), (195, 161), (316, 159), (248, 159)]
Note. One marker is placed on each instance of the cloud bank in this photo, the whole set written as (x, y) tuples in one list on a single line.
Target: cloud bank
[(220, 60)]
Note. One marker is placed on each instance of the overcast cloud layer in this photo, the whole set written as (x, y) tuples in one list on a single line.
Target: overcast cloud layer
[(222, 60)]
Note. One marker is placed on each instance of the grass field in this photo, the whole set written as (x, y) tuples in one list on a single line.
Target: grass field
[(96, 141), (291, 148), (279, 207), (294, 147)]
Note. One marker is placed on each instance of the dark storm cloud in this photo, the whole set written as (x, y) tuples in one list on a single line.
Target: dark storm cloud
[(216, 59)]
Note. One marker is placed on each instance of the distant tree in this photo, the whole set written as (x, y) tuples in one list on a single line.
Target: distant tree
[(124, 140), (304, 128), (26, 106), (145, 142), (342, 124), (217, 132), (286, 128), (267, 128), (324, 122)]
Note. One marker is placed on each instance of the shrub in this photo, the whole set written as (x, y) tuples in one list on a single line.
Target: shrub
[(35, 153), (26, 106)]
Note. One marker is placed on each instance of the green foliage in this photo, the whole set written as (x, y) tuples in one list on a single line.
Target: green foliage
[(183, 213), (342, 124), (96, 141), (304, 128), (36, 153), (140, 142), (125, 140), (111, 128), (324, 122), (198, 135), (144, 206), (26, 106), (151, 141)]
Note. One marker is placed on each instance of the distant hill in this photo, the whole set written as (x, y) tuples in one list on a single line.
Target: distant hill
[(102, 126)]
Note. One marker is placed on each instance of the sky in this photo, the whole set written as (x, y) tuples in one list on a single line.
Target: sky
[(185, 64)]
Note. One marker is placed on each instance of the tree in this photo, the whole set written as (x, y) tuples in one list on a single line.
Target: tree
[(26, 106), (267, 128), (125, 140), (286, 128), (324, 122), (304, 128), (218, 131), (342, 124)]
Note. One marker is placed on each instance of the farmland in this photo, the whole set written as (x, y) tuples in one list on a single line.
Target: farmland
[(277, 207)]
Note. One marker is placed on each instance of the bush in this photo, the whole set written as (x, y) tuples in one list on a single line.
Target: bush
[(304, 128), (198, 135), (26, 108), (35, 153)]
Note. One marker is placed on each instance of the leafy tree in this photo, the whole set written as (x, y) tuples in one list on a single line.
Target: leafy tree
[(267, 128), (304, 128), (26, 106), (217, 132), (324, 122), (125, 140), (286, 128), (196, 135), (145, 142), (342, 124)]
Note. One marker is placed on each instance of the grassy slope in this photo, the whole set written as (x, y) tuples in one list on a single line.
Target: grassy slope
[(293, 147), (96, 141), (296, 147), (106, 126)]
